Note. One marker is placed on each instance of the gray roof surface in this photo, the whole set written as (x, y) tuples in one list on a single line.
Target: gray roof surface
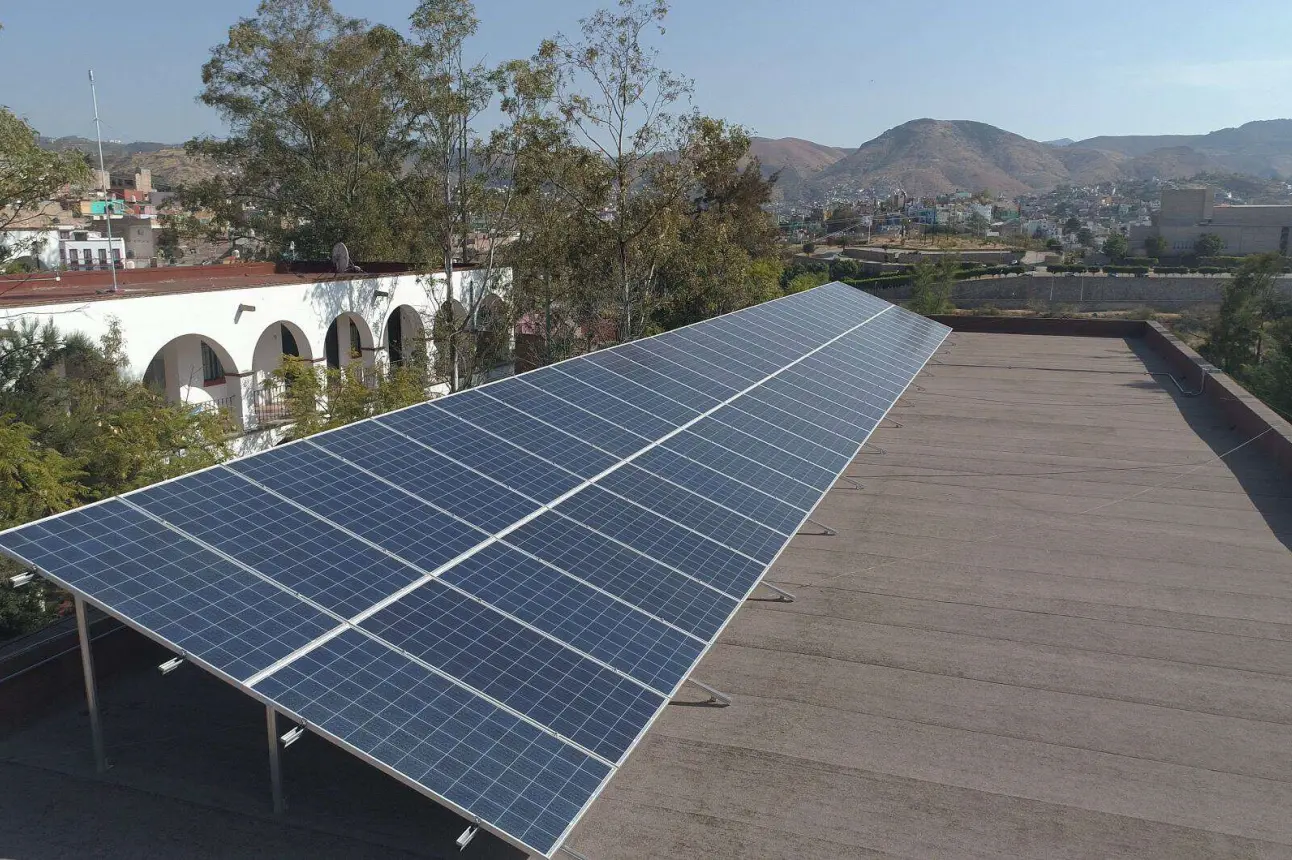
[(1044, 630)]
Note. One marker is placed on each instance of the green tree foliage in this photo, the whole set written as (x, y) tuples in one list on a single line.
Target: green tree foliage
[(977, 224), (1086, 237), (1116, 247), (74, 429), (1155, 246), (29, 176), (318, 399), (1272, 378), (317, 135), (1208, 245), (1072, 225), (931, 285), (616, 99), (806, 281), (1251, 306), (723, 254)]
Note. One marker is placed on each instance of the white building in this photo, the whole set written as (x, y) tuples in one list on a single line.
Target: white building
[(87, 249), (40, 244), (212, 336)]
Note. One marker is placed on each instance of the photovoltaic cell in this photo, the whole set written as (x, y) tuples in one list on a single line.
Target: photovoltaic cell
[(675, 383), (489, 455), (510, 684), (719, 488), (528, 433), (354, 500), (445, 483), (610, 408), (625, 573), (286, 544), (710, 519), (545, 681), (201, 603), (568, 417), (743, 469), (705, 559), (489, 762), (556, 603), (673, 412)]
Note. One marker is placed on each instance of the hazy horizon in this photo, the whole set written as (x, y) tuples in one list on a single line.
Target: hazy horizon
[(840, 77)]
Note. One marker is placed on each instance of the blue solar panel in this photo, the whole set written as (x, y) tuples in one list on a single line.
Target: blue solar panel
[(572, 419), (741, 468), (703, 362), (352, 499), (830, 459), (203, 604), (673, 544), (551, 684), (616, 410), (662, 591), (490, 763), (724, 525), (528, 433), (594, 621), (511, 682), (672, 411), (447, 484), (486, 454), (717, 487), (671, 381), (284, 543)]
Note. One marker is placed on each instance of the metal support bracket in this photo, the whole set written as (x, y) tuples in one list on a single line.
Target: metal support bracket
[(572, 853), (784, 596), (91, 690), (275, 760), (897, 424), (851, 480), (716, 697), (826, 531)]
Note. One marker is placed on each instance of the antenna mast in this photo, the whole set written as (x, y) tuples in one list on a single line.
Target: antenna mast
[(107, 194)]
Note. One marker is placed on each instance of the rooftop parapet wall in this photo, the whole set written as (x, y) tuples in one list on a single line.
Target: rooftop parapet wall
[(1086, 292), (1200, 378)]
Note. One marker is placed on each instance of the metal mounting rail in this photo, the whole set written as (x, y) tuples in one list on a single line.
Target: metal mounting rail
[(826, 531)]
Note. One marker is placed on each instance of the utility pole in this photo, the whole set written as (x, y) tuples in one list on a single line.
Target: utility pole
[(107, 196)]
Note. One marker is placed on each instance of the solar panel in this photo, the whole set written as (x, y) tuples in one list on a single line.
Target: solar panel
[(491, 596)]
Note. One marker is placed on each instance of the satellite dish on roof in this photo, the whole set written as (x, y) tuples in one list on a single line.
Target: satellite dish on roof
[(341, 259)]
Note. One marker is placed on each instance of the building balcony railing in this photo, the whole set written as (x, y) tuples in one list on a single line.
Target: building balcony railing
[(269, 406)]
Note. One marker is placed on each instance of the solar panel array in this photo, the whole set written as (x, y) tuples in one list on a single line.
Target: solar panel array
[(492, 595)]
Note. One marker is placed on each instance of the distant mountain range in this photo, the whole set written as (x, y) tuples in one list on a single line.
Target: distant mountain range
[(170, 164), (921, 157), (928, 156)]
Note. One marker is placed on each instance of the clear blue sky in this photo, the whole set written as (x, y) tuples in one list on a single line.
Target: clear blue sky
[(834, 71)]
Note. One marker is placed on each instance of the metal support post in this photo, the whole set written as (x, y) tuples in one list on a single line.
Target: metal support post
[(851, 480), (785, 596), (826, 531), (91, 692), (275, 763), (571, 852), (716, 697)]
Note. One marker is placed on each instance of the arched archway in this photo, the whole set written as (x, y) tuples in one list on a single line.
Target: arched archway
[(452, 338), (349, 340), (197, 370), (269, 395), (406, 341), (493, 336)]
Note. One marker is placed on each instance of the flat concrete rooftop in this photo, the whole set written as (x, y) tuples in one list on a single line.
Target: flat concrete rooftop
[(1053, 625)]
